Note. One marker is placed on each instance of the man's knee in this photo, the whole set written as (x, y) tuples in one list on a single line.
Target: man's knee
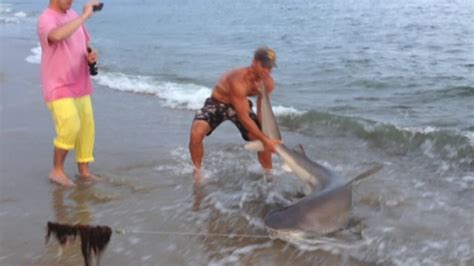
[(195, 138), (199, 130)]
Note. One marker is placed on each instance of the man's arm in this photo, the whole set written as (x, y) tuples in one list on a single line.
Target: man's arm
[(240, 104), (269, 84), (65, 31)]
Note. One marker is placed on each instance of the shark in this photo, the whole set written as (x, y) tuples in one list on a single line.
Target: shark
[(268, 123), (327, 206), (328, 202)]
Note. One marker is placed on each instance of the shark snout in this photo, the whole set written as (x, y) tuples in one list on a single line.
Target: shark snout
[(278, 220)]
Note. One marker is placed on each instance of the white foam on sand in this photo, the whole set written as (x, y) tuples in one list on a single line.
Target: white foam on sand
[(236, 254), (9, 16), (175, 95), (35, 57), (20, 14), (5, 8), (282, 110), (470, 136)]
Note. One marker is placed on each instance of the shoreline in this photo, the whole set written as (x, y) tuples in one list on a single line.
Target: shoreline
[(141, 149), (135, 136)]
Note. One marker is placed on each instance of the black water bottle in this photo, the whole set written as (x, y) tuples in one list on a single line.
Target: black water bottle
[(93, 70)]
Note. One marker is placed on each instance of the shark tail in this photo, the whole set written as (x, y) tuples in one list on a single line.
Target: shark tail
[(367, 173)]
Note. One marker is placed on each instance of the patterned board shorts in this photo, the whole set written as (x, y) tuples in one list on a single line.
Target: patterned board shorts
[(214, 113)]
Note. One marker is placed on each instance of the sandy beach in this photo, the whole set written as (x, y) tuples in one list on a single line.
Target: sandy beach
[(386, 83), (127, 140), (138, 193)]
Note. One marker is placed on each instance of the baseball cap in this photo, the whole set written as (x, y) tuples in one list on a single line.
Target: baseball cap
[(267, 56)]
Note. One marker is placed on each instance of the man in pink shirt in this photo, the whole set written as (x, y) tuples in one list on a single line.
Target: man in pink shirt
[(67, 85)]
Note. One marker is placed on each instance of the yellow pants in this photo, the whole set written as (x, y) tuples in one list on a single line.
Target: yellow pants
[(75, 129)]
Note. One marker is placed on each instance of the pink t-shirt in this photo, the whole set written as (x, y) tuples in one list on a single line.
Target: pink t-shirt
[(64, 68)]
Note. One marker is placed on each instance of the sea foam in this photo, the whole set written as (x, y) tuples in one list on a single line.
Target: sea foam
[(174, 95), (35, 57), (9, 16)]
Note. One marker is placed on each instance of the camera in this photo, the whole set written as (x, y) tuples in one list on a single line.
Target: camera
[(93, 69), (98, 7)]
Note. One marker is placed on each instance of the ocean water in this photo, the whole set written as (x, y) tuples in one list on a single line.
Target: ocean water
[(357, 82)]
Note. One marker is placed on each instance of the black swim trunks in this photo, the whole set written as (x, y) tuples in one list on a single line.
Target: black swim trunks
[(214, 113)]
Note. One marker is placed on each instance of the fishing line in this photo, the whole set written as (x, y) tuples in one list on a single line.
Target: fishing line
[(123, 232)]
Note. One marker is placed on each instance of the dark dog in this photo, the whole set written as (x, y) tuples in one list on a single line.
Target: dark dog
[(94, 239)]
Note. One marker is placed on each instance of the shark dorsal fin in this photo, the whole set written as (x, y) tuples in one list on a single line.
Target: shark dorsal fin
[(367, 173), (299, 149)]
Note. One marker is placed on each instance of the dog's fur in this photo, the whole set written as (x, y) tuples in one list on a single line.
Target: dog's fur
[(94, 239)]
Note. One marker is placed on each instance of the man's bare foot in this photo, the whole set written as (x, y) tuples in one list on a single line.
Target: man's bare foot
[(89, 177), (197, 189), (85, 173), (197, 175), (268, 175), (60, 178)]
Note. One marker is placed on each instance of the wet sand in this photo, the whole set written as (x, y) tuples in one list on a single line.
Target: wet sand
[(147, 189), (126, 135)]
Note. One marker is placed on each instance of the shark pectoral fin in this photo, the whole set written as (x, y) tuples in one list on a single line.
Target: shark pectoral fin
[(367, 173), (307, 189), (286, 168), (299, 149), (255, 145)]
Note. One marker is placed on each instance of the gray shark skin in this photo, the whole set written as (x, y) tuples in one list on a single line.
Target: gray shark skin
[(310, 172), (321, 212), (327, 206), (325, 210), (269, 125)]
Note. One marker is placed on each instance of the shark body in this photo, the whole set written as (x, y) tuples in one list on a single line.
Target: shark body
[(328, 201)]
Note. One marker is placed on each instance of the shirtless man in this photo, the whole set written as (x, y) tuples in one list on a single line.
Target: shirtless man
[(229, 101)]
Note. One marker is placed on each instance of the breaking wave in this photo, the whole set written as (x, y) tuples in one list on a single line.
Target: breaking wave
[(433, 142)]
